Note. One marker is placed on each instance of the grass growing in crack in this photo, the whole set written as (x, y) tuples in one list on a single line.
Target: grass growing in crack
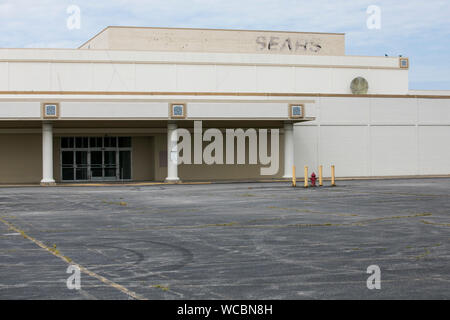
[(435, 223), (423, 255), (8, 250), (316, 212), (158, 286), (424, 214), (427, 251), (119, 203), (223, 224), (53, 249), (360, 223), (247, 195)]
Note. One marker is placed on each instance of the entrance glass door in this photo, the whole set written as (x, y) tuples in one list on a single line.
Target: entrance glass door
[(67, 165), (81, 165), (96, 165), (103, 165), (125, 164), (95, 158), (109, 165)]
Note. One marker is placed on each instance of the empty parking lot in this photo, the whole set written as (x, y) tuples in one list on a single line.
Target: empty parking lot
[(227, 241)]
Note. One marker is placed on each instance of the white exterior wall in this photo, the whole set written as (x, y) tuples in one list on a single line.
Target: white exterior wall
[(113, 110), (238, 110), (20, 110), (376, 137), (131, 71)]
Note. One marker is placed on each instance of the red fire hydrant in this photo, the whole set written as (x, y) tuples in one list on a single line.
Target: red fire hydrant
[(313, 180)]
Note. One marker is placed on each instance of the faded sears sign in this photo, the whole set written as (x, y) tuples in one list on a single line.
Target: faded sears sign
[(219, 40), (265, 43)]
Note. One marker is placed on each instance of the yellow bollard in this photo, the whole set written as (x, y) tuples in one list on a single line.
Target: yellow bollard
[(333, 178), (294, 179), (320, 176), (306, 177)]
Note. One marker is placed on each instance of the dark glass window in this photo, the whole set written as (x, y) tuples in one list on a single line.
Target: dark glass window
[(67, 158), (81, 158), (81, 142), (124, 142), (81, 173), (96, 142), (66, 142), (109, 142), (67, 174)]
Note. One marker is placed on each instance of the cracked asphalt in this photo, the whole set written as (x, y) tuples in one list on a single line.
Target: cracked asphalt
[(227, 241)]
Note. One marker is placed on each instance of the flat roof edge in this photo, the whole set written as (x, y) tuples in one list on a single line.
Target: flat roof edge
[(95, 36), (219, 29), (224, 94)]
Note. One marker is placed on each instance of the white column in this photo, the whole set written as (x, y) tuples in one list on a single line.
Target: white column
[(172, 153), (288, 149), (47, 154)]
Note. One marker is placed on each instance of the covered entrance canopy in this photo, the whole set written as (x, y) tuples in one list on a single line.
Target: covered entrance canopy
[(124, 150)]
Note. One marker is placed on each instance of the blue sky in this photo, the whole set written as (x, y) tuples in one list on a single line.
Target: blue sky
[(415, 28)]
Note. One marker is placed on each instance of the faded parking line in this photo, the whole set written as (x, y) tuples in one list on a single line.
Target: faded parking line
[(110, 283)]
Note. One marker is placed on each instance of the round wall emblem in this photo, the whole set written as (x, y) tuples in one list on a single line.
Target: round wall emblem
[(359, 85)]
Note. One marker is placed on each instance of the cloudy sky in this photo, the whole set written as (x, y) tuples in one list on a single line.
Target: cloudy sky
[(417, 29)]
